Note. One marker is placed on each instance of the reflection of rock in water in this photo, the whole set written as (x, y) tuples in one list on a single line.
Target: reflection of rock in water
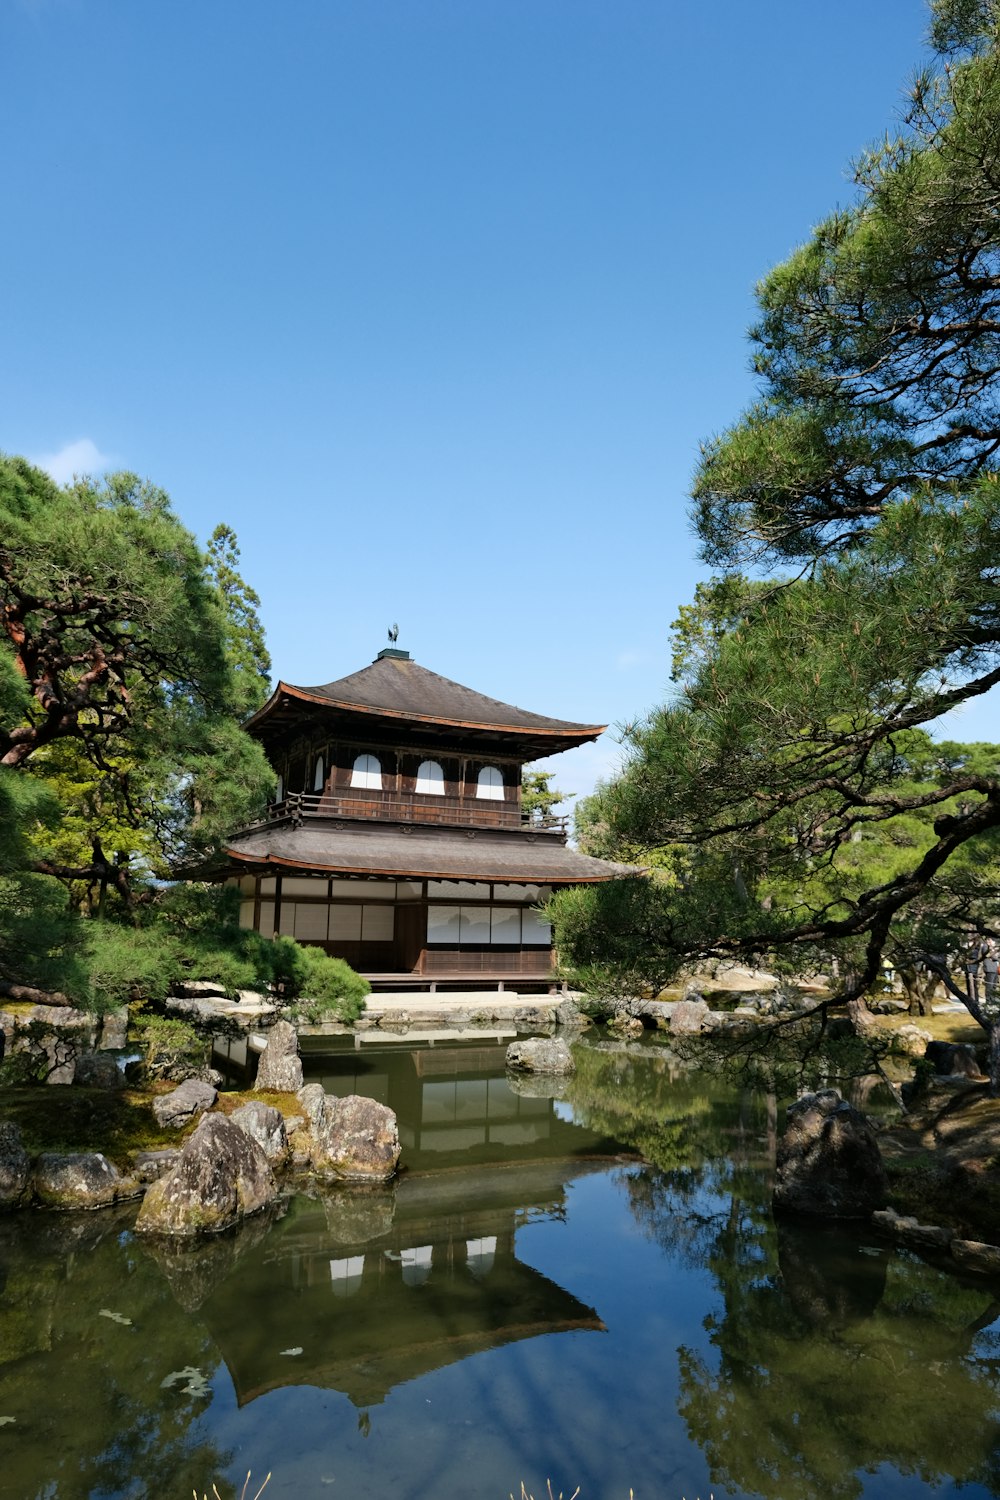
[(538, 1085), (358, 1214), (193, 1269), (59, 1234), (828, 1278)]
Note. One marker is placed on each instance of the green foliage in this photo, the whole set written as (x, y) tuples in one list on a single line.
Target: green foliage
[(137, 659), (538, 797), (127, 659), (128, 964), (328, 988), (169, 1042), (853, 514), (38, 936), (961, 25), (249, 660)]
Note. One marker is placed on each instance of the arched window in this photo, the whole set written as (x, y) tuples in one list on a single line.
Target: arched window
[(319, 774), (430, 778), (367, 773), (490, 784)]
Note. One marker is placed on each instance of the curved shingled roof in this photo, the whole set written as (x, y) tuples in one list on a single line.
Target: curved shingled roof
[(444, 854), (396, 687)]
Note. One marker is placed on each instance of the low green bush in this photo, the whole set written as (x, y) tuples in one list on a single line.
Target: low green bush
[(328, 989)]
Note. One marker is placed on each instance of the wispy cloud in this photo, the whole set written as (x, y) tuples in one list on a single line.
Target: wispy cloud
[(81, 457)]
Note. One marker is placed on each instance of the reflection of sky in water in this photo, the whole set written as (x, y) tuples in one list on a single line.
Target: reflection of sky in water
[(563, 1111)]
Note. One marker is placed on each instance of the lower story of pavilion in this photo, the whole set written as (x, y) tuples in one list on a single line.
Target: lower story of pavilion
[(414, 909)]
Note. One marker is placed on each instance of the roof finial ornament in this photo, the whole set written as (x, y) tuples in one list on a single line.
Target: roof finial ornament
[(393, 634)]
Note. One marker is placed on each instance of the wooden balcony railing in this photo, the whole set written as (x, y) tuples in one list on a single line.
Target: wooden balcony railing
[(436, 811)]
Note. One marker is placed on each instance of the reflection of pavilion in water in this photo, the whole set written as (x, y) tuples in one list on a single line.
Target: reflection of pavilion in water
[(456, 1103), (372, 1288), (376, 1287)]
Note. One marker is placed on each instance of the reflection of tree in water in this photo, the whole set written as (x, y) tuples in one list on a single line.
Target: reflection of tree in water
[(84, 1351), (679, 1119), (705, 1144), (829, 1358), (832, 1360)]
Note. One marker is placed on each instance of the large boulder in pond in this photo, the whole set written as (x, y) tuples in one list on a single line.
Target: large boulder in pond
[(540, 1054), (280, 1067), (569, 1015), (84, 1179), (15, 1167), (266, 1125), (353, 1139), (689, 1017), (221, 1176), (192, 1097), (829, 1164)]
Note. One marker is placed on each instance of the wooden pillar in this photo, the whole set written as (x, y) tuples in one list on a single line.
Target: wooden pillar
[(277, 903)]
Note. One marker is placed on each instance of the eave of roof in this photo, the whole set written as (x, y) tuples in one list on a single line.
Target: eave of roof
[(439, 854)]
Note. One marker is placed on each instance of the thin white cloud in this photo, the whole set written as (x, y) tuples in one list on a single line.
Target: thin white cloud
[(81, 457)]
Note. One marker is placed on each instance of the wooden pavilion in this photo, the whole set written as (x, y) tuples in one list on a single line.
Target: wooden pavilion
[(397, 840)]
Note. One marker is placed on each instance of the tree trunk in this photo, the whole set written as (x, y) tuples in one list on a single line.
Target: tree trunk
[(994, 1064), (28, 994), (919, 989)]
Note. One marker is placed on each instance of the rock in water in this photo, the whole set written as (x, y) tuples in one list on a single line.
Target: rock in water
[(188, 1099), (280, 1067), (688, 1017), (221, 1176), (829, 1163), (84, 1179), (624, 1025), (541, 1054), (348, 1140), (264, 1124)]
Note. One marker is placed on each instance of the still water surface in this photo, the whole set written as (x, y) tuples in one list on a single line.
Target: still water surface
[(588, 1287)]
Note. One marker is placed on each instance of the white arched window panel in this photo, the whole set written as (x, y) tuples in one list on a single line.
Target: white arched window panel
[(319, 774), (490, 784), (367, 773), (430, 778)]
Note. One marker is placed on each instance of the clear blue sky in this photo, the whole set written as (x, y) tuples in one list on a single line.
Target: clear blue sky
[(432, 300)]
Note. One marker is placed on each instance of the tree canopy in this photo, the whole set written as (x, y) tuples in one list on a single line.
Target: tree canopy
[(852, 516), (127, 660)]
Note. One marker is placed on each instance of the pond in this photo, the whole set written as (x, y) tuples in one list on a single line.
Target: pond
[(581, 1283)]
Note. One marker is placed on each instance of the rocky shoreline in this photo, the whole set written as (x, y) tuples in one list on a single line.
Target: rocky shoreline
[(942, 1159)]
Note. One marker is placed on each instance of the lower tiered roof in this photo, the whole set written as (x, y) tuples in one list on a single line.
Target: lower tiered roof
[(372, 848)]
